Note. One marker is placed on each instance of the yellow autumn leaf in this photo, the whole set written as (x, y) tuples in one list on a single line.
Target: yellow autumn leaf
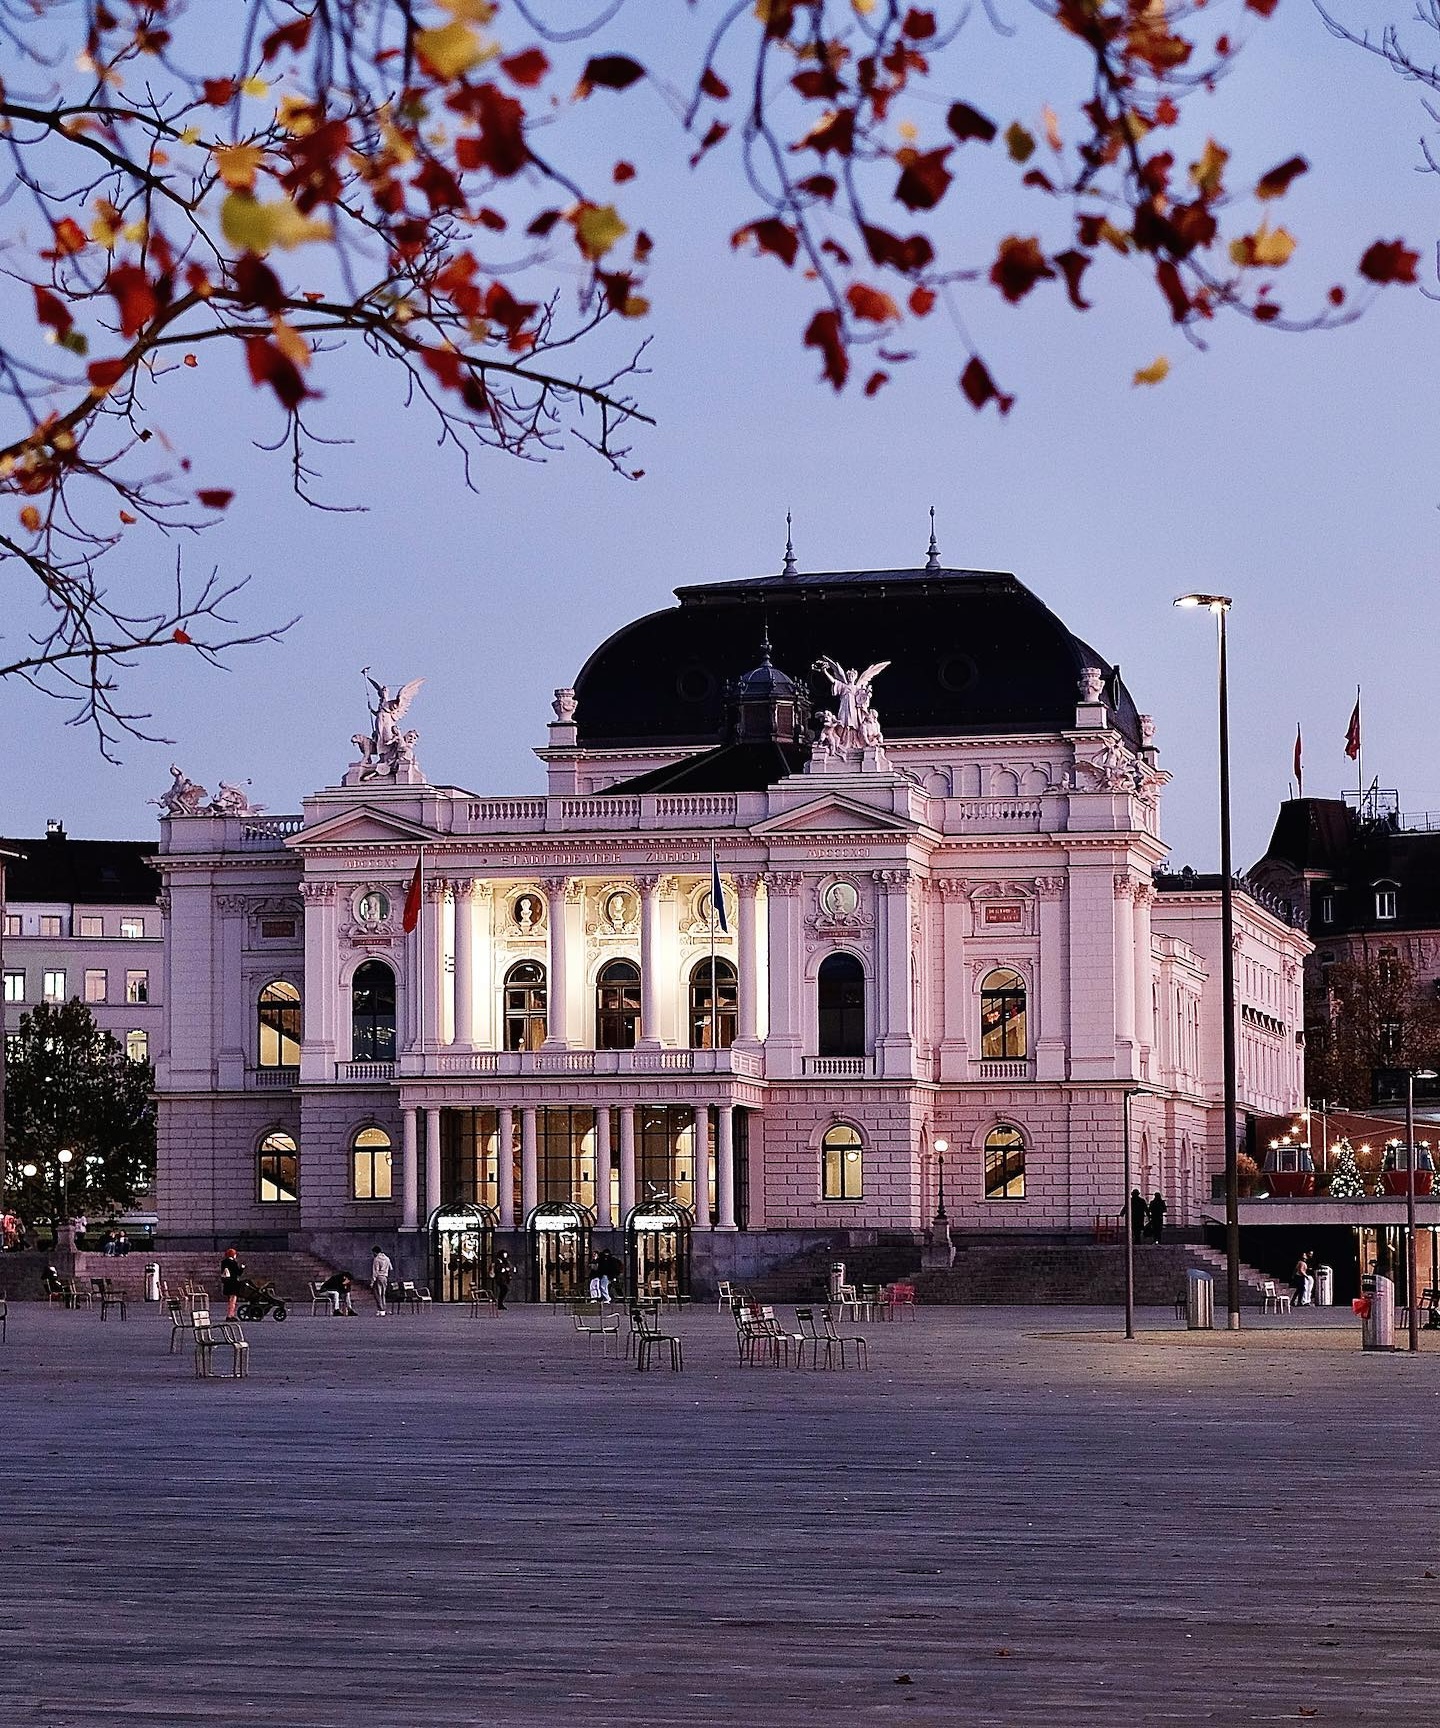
[(451, 50), (296, 115), (908, 130), (290, 342), (863, 7), (1266, 249), (255, 87), (597, 228), (471, 11), (30, 518), (135, 232), (191, 135), (636, 306), (256, 227), (1154, 373), (1208, 172)]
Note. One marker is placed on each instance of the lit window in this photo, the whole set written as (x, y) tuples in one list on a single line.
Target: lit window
[(90, 925), (842, 1163), (137, 1046), (1384, 902), (137, 986), (525, 1006), (1002, 1015), (1327, 909), (54, 987), (97, 985), (132, 928), (14, 924), (14, 986), (50, 925), (277, 1168), (279, 1040), (371, 1160), (1004, 1164), (373, 908)]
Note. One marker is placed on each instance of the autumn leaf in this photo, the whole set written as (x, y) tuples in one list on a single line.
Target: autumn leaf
[(181, 636), (1263, 7), (526, 68), (268, 365), (770, 235), (823, 332), (622, 172), (609, 72), (1019, 142), (979, 387), (30, 518), (1173, 289), (967, 122), (128, 519), (871, 305), (52, 312), (1266, 249), (922, 301), (1019, 265), (1208, 173), (104, 374), (597, 228), (1073, 266), (255, 226), (451, 50), (713, 86), (238, 165), (1276, 183), (1155, 373), (134, 295), (214, 497), (1389, 261), (875, 381), (924, 178), (291, 343), (1051, 121), (70, 237)]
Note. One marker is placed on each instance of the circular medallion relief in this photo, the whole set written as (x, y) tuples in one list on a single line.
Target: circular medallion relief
[(525, 913), (373, 907), (841, 899)]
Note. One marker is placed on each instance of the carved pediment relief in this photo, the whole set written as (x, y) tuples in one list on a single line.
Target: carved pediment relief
[(833, 815)]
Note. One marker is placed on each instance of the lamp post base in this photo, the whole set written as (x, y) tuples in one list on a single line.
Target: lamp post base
[(939, 1251)]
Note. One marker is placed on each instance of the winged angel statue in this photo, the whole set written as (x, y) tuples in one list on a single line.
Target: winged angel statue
[(853, 725), (387, 749)]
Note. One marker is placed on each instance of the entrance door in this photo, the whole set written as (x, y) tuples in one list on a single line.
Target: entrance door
[(462, 1247)]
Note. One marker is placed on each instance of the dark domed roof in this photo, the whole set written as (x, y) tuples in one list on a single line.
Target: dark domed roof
[(970, 651), (765, 683)]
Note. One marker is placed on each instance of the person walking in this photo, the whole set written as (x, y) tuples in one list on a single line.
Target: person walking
[(232, 1276), (608, 1267), (1137, 1215), (1155, 1217), (381, 1266), (501, 1276), (1303, 1281)]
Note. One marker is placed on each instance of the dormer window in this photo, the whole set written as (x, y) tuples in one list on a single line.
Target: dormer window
[(1384, 901), (1327, 908)]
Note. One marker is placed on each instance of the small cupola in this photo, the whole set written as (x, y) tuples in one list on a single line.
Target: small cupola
[(766, 704)]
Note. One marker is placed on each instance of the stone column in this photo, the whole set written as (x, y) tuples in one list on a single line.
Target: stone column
[(702, 1166), (505, 1164), (1127, 1062), (485, 1033), (557, 1022), (324, 1023), (409, 1172), (465, 911), (954, 979), (529, 1163), (627, 1160), (432, 1160), (790, 1002), (649, 887), (432, 940), (895, 1040), (1050, 1013), (725, 1168), (237, 1004), (603, 1220), (747, 1030), (1146, 1031)]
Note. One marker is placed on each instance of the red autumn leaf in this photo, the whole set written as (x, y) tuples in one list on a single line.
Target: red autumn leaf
[(128, 519), (836, 250), (923, 178), (1266, 311), (190, 360), (1277, 182), (609, 72), (1019, 265), (1337, 295), (293, 36), (179, 635), (257, 284), (922, 301), (439, 185), (1073, 266), (491, 219), (824, 333), (874, 381), (501, 145), (543, 223), (445, 364), (623, 171), (51, 310), (886, 248), (214, 497), (1166, 113), (870, 304), (69, 237), (979, 387), (1039, 178), (1389, 261), (918, 26), (134, 295), (1263, 7), (770, 235), (501, 307), (714, 86), (967, 122), (818, 186), (269, 366), (832, 132), (817, 84), (103, 373), (714, 132), (219, 91), (1173, 289), (526, 68)]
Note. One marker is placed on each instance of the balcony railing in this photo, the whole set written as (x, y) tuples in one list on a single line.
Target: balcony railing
[(266, 1078), (997, 1068), (364, 1070), (600, 810), (838, 1067), (596, 1062)]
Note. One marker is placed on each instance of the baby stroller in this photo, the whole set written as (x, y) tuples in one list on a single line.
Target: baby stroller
[(257, 1299)]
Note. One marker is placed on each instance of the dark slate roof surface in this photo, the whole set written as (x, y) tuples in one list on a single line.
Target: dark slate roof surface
[(81, 872)]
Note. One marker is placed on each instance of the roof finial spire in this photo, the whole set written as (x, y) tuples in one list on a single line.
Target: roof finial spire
[(764, 639), (933, 561), (790, 572)]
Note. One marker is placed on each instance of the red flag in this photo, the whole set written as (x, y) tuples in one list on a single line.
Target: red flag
[(412, 899), (1352, 734), (1299, 771)]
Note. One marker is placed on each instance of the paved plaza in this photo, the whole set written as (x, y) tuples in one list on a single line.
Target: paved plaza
[(1014, 1517)]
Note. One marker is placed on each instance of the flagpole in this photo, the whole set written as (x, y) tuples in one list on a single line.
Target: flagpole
[(714, 914), (1359, 753), (420, 963)]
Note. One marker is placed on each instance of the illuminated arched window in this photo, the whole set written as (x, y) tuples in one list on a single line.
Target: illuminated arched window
[(370, 1162), (1002, 1015), (278, 1045), (277, 1169), (137, 1046), (372, 1013), (1004, 1163), (617, 1006), (842, 1163), (711, 1029), (525, 1006)]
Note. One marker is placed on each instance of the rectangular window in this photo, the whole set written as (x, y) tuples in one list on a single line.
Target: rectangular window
[(50, 925), (1327, 909), (97, 984), (14, 986), (132, 928), (92, 925), (14, 924), (54, 986), (842, 1164), (137, 986), (1384, 902)]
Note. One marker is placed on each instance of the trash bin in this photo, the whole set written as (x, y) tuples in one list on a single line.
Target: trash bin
[(1199, 1301), (1324, 1286), (1376, 1307), (152, 1281)]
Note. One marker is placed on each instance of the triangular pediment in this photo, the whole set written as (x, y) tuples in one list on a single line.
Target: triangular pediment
[(834, 815), (363, 825)]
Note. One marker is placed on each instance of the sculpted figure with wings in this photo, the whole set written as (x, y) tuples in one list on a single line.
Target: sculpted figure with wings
[(387, 747), (856, 725)]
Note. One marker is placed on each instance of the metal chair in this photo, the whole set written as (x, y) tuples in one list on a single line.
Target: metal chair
[(807, 1335), (843, 1339), (647, 1337), (724, 1295), (592, 1322)]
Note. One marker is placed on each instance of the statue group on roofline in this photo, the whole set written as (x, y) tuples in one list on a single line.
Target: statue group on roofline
[(386, 752), (186, 797), (853, 724)]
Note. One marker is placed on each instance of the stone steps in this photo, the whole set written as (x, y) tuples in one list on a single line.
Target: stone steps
[(807, 1277), (288, 1271)]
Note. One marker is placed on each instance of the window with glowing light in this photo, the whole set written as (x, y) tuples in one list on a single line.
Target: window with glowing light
[(277, 1170), (842, 1163), (1004, 1163)]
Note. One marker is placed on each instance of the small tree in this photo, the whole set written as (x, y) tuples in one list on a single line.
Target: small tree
[(1346, 1182), (70, 1086)]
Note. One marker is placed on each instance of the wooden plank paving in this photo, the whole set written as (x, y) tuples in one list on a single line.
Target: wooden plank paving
[(433, 1520)]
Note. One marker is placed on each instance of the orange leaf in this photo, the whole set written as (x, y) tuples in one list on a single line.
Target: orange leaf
[(127, 519), (30, 518), (179, 635), (871, 304)]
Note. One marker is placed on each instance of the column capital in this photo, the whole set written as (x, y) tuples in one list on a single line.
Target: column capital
[(647, 882), (746, 881), (1049, 887), (1125, 885), (436, 887), (951, 887), (891, 878), (318, 890), (784, 880)]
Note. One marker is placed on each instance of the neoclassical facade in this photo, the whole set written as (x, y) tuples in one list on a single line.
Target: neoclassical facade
[(940, 955)]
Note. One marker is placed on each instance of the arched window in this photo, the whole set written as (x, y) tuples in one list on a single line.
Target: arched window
[(1004, 1163), (841, 990), (713, 1028), (842, 1163), (525, 1006), (617, 1006), (279, 1041), (371, 1165), (372, 1013), (1002, 1015), (277, 1169), (137, 1046)]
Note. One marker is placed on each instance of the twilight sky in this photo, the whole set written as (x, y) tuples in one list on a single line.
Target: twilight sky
[(1296, 473)]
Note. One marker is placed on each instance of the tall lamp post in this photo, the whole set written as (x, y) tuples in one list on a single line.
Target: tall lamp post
[(64, 1155), (1219, 604)]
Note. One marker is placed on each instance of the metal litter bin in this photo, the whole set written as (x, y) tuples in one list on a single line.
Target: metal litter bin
[(1324, 1286), (152, 1281), (1377, 1312), (1199, 1301)]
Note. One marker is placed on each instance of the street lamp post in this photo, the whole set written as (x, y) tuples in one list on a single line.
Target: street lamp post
[(1219, 605), (64, 1155), (1129, 1230)]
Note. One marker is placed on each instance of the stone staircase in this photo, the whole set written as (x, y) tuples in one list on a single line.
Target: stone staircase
[(1071, 1274), (806, 1278), (1212, 1260), (288, 1271)]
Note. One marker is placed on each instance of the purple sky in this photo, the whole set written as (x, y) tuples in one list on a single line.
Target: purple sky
[(1295, 472)]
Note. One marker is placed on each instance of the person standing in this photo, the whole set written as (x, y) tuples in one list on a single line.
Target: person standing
[(1155, 1217), (1137, 1215), (502, 1276), (232, 1275), (381, 1266)]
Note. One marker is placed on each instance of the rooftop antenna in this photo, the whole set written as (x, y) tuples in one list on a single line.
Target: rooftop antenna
[(933, 561), (789, 572)]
